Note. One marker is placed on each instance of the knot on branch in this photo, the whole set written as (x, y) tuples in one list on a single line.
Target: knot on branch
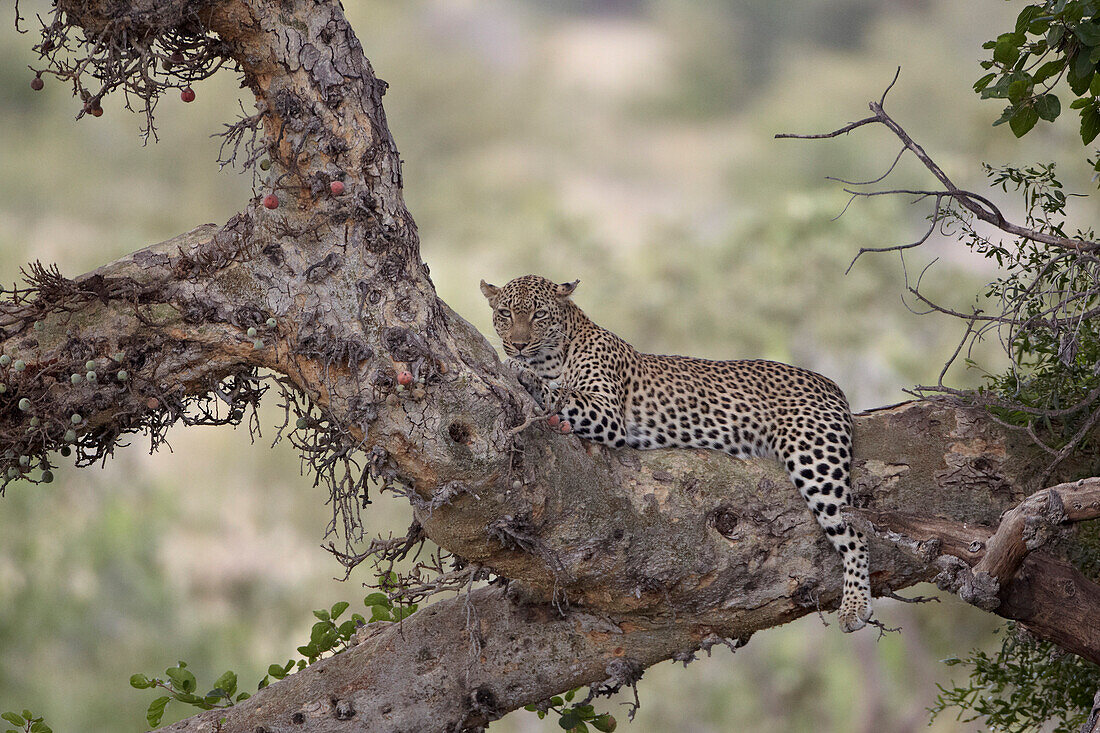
[(446, 494), (1039, 530), (724, 519), (322, 343), (1044, 525), (978, 589), (232, 243), (343, 709), (714, 639), (483, 702), (515, 533), (623, 671)]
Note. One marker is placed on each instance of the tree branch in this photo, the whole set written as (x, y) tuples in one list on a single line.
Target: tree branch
[(976, 204), (1027, 526)]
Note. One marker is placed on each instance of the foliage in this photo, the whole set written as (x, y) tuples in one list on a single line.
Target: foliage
[(1028, 683), (1046, 299), (329, 636), (26, 722), (1024, 687), (1051, 41), (1046, 302), (326, 637), (577, 717)]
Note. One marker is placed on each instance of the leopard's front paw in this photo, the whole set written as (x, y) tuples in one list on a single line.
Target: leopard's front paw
[(527, 378), (559, 424)]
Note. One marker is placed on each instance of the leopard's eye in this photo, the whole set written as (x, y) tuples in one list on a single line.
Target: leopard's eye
[(540, 313), (504, 312)]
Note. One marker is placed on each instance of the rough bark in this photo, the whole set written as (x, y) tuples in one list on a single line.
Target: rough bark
[(615, 559)]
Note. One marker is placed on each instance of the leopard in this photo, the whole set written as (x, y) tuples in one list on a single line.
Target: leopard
[(599, 387)]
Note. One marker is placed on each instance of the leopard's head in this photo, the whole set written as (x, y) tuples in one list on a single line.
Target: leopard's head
[(529, 314)]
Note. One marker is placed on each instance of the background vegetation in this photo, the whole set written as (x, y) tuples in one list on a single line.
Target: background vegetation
[(627, 143)]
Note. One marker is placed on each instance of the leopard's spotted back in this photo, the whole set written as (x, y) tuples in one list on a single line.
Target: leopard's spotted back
[(612, 394)]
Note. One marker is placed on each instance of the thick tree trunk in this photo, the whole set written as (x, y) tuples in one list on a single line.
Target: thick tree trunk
[(615, 559)]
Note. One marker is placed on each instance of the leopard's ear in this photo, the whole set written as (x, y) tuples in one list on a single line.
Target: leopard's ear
[(564, 290), (491, 292)]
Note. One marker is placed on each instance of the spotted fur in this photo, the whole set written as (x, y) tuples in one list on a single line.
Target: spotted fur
[(612, 394)]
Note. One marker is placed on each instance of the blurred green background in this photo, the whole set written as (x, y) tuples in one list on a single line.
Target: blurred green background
[(628, 143)]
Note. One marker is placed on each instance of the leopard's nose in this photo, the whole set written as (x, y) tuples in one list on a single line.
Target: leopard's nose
[(520, 345)]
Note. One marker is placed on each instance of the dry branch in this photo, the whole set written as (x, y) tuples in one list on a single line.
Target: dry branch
[(1028, 525)]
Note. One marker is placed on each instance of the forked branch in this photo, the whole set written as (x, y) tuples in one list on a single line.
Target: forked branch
[(976, 204)]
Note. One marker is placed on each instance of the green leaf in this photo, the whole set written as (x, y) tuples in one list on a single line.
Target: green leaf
[(1048, 107), (1049, 69), (338, 609), (1080, 103), (1018, 89), (1083, 66), (182, 679), (28, 715), (243, 696), (379, 613), (1094, 87), (605, 723), (227, 683), (191, 699), (140, 682), (1028, 14), (321, 614), (1090, 124), (570, 695), (568, 721), (377, 599), (13, 718), (556, 701), (156, 711), (276, 671), (40, 727), (1006, 52), (982, 83), (1006, 115), (1023, 120), (1089, 33)]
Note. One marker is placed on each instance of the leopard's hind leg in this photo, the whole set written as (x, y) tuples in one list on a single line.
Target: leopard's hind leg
[(819, 463)]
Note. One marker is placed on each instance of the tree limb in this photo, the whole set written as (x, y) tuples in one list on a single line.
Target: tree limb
[(976, 204), (1022, 529)]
